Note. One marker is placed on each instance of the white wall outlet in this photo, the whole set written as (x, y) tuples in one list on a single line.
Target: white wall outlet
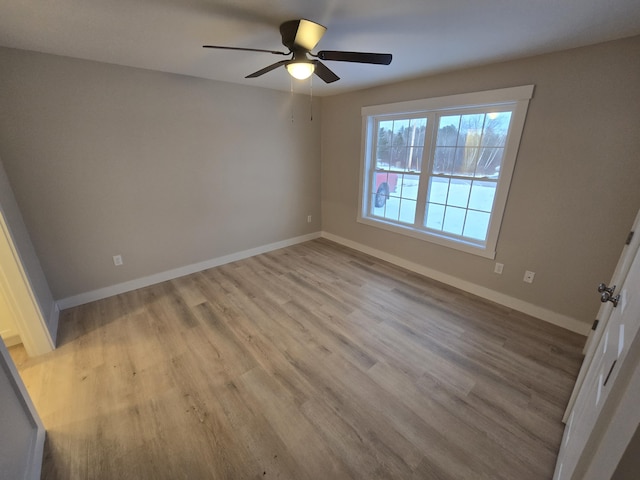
[(308, 218), (498, 268), (117, 260), (528, 276)]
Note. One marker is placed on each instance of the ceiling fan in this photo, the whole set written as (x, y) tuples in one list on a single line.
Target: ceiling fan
[(300, 37)]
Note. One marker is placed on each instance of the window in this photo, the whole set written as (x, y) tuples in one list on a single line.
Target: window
[(439, 169)]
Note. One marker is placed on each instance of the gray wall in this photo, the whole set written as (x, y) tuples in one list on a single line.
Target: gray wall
[(169, 170), (29, 259), (574, 193), (165, 170)]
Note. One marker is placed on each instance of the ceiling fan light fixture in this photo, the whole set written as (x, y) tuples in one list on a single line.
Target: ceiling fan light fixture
[(301, 70), (300, 37)]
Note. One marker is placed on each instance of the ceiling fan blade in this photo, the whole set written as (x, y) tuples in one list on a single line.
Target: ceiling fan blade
[(356, 57), (303, 34), (325, 73), (267, 69), (245, 49)]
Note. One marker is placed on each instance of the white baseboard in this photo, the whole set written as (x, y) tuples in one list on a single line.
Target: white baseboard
[(10, 340), (52, 323), (542, 313), (112, 290)]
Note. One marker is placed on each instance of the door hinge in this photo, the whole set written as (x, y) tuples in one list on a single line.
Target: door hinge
[(595, 324), (609, 374), (629, 237)]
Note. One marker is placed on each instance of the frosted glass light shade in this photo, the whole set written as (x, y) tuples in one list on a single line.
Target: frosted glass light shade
[(301, 70)]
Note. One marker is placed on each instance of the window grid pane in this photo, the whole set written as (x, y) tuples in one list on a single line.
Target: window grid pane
[(482, 195), (454, 220), (399, 149), (459, 193), (467, 146), (438, 190), (434, 216), (407, 211), (476, 224)]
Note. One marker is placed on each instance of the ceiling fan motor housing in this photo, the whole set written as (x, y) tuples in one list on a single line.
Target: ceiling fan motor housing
[(301, 34)]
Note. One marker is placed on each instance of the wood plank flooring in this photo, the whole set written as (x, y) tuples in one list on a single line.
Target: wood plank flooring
[(310, 362)]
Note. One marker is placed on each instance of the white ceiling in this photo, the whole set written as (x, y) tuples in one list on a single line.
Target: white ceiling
[(424, 36)]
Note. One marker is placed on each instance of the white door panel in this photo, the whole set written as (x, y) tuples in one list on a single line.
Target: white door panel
[(622, 268), (597, 400)]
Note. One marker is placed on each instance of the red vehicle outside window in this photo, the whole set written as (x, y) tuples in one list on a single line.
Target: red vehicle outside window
[(386, 183)]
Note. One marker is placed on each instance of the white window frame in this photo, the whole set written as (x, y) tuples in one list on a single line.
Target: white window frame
[(516, 97)]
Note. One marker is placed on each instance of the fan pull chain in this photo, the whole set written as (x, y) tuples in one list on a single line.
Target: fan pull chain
[(292, 98), (311, 97)]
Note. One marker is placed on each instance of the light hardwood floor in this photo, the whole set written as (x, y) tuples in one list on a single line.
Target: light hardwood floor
[(310, 362)]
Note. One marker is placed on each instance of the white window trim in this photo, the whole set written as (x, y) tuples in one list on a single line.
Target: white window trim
[(518, 95)]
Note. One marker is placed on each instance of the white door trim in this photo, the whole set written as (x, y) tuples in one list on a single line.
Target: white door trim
[(15, 285)]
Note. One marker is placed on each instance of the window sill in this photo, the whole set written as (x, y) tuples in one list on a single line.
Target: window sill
[(407, 231)]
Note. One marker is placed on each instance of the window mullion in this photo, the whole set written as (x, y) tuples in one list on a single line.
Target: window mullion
[(425, 172), (372, 164), (368, 167)]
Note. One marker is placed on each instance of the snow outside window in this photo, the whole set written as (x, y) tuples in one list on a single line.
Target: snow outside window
[(439, 169)]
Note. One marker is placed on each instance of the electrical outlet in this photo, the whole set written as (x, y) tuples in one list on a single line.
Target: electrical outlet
[(528, 276), (117, 260), (308, 218), (498, 268)]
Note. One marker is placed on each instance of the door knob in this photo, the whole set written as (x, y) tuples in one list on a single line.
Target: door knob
[(607, 297), (607, 294), (603, 288)]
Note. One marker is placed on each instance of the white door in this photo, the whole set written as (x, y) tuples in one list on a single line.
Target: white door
[(601, 392), (626, 258), (23, 307), (8, 330)]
